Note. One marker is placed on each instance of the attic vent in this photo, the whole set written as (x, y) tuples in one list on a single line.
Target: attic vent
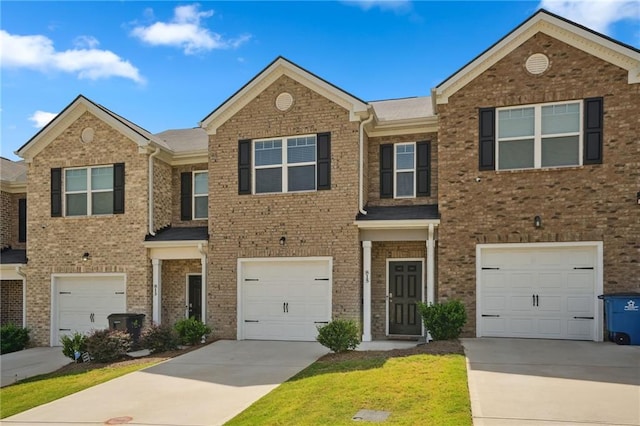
[(284, 101), (537, 63), (87, 135)]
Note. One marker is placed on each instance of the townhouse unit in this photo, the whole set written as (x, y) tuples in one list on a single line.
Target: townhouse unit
[(514, 187)]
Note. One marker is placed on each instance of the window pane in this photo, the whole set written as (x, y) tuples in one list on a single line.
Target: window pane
[(404, 184), (302, 178), (77, 204), (268, 153), (201, 207), (102, 203), (75, 180), (515, 154), (560, 151), (404, 157), (515, 122), (563, 118), (102, 178), (201, 183), (269, 180), (301, 150)]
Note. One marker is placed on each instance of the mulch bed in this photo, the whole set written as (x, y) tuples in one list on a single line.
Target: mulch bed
[(442, 347)]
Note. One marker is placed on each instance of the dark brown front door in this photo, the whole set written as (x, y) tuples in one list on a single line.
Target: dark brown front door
[(405, 291), (195, 297)]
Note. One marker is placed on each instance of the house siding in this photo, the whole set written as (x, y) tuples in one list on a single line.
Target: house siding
[(56, 244), (318, 223), (588, 203)]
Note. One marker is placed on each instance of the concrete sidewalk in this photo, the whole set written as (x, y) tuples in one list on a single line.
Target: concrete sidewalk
[(30, 362), (204, 387), (552, 382)]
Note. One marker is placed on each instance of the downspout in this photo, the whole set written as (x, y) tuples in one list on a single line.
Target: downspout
[(361, 189), (150, 197), (203, 266), (24, 294)]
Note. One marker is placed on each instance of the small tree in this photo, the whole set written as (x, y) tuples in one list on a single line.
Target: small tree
[(339, 335), (191, 331), (159, 338), (108, 345), (443, 321), (13, 338), (74, 345)]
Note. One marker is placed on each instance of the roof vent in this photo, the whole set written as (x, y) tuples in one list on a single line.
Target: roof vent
[(537, 63), (87, 135), (284, 101)]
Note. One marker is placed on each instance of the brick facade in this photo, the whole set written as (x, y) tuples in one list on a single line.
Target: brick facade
[(176, 172), (588, 203), (11, 302), (174, 287), (9, 222)]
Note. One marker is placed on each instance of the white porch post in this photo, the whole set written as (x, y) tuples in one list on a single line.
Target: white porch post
[(203, 262), (157, 290), (431, 293), (366, 291)]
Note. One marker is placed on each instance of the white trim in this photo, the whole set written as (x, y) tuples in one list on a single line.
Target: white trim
[(8, 271), (194, 195), (53, 323), (176, 244), (396, 171), (156, 291), (396, 224), (367, 277), (403, 127), (422, 289), (88, 191), (598, 323), (241, 261)]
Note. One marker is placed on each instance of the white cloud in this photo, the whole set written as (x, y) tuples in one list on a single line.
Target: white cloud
[(37, 52), (86, 41), (42, 118), (598, 15), (186, 31), (393, 5)]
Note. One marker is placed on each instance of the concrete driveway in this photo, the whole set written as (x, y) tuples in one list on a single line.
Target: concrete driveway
[(204, 387), (30, 362), (552, 382)]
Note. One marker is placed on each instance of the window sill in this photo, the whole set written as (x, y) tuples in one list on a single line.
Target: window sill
[(541, 169)]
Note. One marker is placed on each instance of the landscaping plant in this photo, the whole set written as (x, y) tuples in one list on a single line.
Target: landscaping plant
[(73, 346), (13, 338), (159, 338), (191, 331), (108, 345), (445, 320), (339, 335)]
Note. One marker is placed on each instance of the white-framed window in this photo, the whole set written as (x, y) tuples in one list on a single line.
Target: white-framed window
[(404, 168), (200, 198), (88, 191), (284, 164), (537, 136)]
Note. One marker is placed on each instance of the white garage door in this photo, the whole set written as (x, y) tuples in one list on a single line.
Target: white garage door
[(284, 300), (83, 303), (537, 292)]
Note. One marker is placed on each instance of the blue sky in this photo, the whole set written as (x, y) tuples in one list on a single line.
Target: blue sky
[(166, 64)]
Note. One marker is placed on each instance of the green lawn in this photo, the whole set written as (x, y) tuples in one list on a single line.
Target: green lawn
[(39, 390), (418, 389)]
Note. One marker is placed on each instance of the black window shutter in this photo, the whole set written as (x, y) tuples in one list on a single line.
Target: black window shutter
[(487, 131), (185, 196), (244, 166), (593, 126), (118, 188), (423, 169), (56, 192), (323, 149), (386, 171), (22, 220)]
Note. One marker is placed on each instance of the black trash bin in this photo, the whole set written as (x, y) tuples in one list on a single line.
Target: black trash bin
[(131, 323), (622, 312)]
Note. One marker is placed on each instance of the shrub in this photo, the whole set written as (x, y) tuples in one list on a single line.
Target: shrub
[(443, 321), (108, 345), (72, 345), (159, 338), (13, 338), (339, 335), (191, 331)]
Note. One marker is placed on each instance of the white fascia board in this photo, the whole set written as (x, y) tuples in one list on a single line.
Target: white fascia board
[(404, 127), (13, 187), (396, 224), (179, 243), (8, 271), (566, 32), (192, 157)]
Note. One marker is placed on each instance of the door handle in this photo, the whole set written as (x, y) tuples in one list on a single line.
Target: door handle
[(533, 300), (284, 308), (287, 305), (537, 301)]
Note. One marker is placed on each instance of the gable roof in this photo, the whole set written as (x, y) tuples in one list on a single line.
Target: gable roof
[(13, 176), (279, 67), (576, 35), (72, 112)]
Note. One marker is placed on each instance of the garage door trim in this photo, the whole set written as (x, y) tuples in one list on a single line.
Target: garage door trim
[(239, 286), (599, 279), (53, 324)]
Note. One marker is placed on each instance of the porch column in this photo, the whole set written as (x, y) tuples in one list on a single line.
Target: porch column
[(431, 293), (366, 291), (157, 290), (203, 263)]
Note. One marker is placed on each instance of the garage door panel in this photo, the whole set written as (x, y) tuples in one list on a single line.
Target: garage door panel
[(580, 329), (496, 326), (521, 280), (549, 305), (581, 281), (521, 326), (551, 280), (494, 302), (521, 303), (550, 327), (493, 281)]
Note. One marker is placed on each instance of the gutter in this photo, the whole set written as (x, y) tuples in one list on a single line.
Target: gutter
[(150, 197), (361, 189)]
